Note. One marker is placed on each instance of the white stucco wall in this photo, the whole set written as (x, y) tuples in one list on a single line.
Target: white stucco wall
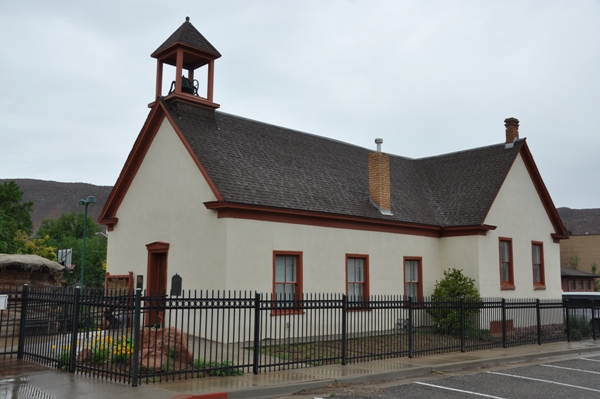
[(519, 214), (165, 202), (461, 253), (250, 246)]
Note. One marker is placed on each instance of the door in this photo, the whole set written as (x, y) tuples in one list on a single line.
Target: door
[(156, 284)]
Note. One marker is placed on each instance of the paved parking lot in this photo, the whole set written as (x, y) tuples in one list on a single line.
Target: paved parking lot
[(574, 378)]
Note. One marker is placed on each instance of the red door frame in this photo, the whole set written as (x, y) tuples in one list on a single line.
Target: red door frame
[(156, 283)]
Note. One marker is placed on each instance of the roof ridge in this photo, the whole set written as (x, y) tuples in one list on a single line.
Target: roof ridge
[(300, 131), (466, 150)]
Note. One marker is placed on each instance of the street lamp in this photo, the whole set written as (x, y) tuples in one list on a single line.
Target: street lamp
[(85, 202)]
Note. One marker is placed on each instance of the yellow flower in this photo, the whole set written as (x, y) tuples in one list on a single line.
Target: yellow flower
[(53, 346)]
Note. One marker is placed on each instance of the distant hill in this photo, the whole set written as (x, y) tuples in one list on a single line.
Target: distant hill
[(581, 221), (51, 199)]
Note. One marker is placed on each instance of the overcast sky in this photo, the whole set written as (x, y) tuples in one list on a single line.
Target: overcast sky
[(429, 77)]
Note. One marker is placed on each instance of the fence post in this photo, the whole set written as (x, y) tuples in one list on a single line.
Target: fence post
[(462, 324), (539, 320), (593, 320), (137, 315), (256, 332), (410, 326), (24, 298), (567, 320), (74, 326), (344, 330), (503, 323)]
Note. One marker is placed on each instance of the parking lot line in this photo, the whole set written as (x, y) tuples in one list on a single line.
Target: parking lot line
[(569, 368), (537, 379), (591, 360), (459, 390)]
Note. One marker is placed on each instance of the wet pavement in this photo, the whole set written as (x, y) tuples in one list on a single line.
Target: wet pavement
[(22, 380)]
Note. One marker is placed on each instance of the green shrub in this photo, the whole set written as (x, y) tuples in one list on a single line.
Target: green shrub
[(168, 366), (101, 349), (217, 369), (580, 328), (145, 370), (122, 351), (445, 310), (64, 358)]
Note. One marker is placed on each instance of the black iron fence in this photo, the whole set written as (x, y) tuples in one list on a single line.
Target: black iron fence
[(151, 338), (10, 320)]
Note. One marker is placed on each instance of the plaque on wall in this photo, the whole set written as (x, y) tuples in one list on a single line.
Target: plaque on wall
[(176, 285), (118, 284)]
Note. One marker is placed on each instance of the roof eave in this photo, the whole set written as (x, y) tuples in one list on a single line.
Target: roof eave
[(294, 216), (157, 114), (560, 233)]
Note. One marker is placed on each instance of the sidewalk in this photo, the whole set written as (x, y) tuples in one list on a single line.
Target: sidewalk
[(20, 379)]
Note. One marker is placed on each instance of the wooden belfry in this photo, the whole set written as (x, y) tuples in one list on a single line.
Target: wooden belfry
[(187, 50)]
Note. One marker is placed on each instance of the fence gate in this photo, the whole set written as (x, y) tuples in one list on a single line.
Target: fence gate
[(47, 315), (10, 317)]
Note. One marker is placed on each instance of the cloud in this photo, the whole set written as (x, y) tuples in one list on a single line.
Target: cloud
[(429, 77)]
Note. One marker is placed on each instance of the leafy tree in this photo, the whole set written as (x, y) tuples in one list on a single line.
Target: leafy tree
[(445, 298), (67, 232), (34, 246), (14, 215), (68, 225), (569, 232), (574, 262), (596, 281)]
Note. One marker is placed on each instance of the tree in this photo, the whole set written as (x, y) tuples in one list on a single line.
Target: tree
[(445, 301), (15, 215), (574, 262), (67, 225), (67, 232), (34, 246), (596, 281)]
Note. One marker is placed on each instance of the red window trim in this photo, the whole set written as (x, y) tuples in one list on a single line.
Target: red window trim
[(366, 283), (510, 284), (542, 282), (420, 282), (299, 279)]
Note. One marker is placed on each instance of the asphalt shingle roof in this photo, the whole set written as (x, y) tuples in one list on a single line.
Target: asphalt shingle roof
[(568, 272), (188, 34), (256, 163)]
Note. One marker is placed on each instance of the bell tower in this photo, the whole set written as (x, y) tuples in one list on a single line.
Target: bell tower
[(187, 50)]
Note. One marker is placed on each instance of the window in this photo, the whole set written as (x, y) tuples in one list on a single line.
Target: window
[(537, 250), (588, 285), (287, 278), (412, 277), (580, 285), (571, 285), (506, 264), (357, 278)]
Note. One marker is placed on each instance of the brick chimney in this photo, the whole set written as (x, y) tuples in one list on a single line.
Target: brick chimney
[(379, 179), (512, 129)]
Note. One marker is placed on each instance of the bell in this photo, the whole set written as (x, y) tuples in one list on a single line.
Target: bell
[(186, 86)]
